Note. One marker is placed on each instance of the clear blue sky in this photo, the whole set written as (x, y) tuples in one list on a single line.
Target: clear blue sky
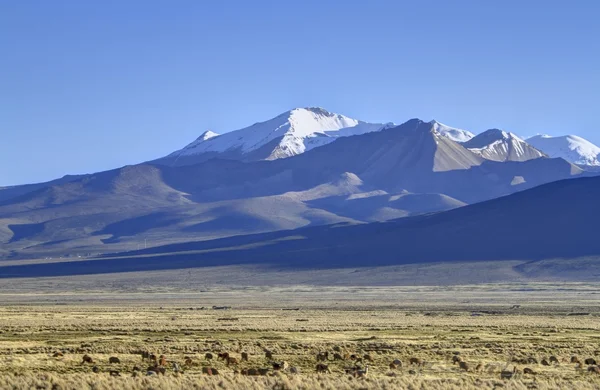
[(91, 85)]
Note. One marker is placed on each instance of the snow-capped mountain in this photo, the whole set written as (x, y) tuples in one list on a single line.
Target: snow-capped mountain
[(456, 135), (498, 145), (380, 175), (289, 134), (572, 148)]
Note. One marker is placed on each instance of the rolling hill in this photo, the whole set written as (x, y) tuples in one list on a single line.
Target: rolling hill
[(543, 229)]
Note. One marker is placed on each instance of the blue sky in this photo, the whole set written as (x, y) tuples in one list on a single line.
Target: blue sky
[(87, 86)]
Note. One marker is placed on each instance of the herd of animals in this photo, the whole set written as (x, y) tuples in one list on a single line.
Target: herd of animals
[(359, 364)]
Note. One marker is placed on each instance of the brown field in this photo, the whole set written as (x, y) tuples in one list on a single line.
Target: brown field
[(498, 328)]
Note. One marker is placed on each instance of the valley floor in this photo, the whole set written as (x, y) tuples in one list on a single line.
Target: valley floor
[(493, 328)]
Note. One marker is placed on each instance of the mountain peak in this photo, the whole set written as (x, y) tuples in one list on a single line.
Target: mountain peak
[(572, 148), (500, 134), (208, 134), (290, 133), (456, 135), (500, 145), (317, 110)]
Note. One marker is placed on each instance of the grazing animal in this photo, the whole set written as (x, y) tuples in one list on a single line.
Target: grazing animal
[(507, 374), (594, 370), (269, 354), (323, 356), (153, 358), (529, 371), (353, 357), (209, 371), (145, 355), (162, 361), (188, 362), (208, 356), (136, 369), (95, 369), (337, 356), (368, 358), (463, 366), (323, 368), (397, 362), (590, 362), (231, 361), (574, 359), (532, 360), (115, 373), (393, 366), (294, 370), (252, 372), (280, 366), (545, 362), (87, 359), (553, 359), (157, 369), (263, 371), (362, 372), (456, 359), (244, 356), (223, 355), (114, 360), (176, 367), (416, 361)]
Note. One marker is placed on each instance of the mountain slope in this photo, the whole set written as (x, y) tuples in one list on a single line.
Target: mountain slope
[(288, 134), (542, 229), (498, 145), (7, 193), (546, 222), (570, 147), (416, 158)]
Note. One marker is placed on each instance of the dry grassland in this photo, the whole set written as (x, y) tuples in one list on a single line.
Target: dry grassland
[(42, 347)]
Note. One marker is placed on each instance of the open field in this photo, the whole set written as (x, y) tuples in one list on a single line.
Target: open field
[(493, 328)]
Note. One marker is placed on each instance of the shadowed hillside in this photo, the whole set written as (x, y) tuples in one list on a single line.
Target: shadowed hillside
[(549, 222)]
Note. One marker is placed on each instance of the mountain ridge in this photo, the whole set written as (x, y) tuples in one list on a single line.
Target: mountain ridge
[(288, 134)]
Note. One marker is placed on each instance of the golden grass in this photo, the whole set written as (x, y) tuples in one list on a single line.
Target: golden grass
[(30, 335)]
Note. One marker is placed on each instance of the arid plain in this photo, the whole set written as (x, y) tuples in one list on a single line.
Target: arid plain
[(511, 336)]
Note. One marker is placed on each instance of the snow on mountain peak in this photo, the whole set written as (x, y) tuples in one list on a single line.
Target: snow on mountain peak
[(207, 135), (290, 133), (500, 145), (456, 135), (572, 148)]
